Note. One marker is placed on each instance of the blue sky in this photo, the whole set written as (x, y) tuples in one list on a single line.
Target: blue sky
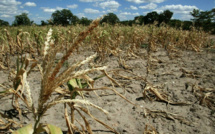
[(125, 9)]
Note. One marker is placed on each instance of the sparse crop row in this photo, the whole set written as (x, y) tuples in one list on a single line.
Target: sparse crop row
[(43, 44), (105, 40)]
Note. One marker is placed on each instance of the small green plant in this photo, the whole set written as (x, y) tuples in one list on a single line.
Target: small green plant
[(144, 45), (212, 112), (66, 64)]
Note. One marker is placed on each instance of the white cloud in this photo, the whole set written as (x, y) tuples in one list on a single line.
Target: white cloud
[(72, 6), (186, 17), (5, 16), (149, 6), (80, 15), (30, 4), (136, 14), (146, 1), (122, 17), (125, 13), (183, 11), (111, 10), (42, 18), (51, 10), (91, 11), (109, 4), (9, 2), (25, 11), (9, 7), (90, 0), (145, 13), (157, 10), (59, 8), (180, 9), (133, 7), (129, 13)]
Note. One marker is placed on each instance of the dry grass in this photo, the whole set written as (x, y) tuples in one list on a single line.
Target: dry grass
[(123, 42)]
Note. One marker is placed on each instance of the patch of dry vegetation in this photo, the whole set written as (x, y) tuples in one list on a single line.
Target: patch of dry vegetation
[(123, 42)]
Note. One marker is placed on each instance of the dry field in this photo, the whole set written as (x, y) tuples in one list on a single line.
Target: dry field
[(107, 79)]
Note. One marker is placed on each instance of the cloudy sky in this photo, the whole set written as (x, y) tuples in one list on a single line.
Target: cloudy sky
[(125, 9)]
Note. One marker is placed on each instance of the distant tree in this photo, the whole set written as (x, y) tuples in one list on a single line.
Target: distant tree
[(195, 13), (64, 17), (3, 23), (22, 20), (43, 23), (213, 14), (32, 23), (127, 22), (186, 25), (151, 17), (196, 17), (139, 19), (85, 21), (75, 20), (175, 23), (165, 16), (204, 19), (50, 22), (110, 18)]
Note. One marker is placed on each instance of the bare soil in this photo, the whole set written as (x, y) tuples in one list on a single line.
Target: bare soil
[(180, 78)]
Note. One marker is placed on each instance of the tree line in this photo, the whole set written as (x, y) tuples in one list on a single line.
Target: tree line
[(201, 20)]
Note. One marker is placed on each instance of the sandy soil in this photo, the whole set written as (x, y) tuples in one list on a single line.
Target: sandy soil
[(181, 79)]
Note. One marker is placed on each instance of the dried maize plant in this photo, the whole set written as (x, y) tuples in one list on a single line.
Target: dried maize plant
[(181, 39), (191, 40), (3, 46), (52, 78), (20, 92), (100, 42), (119, 41), (114, 40), (19, 41), (167, 40), (58, 37), (197, 39), (7, 49), (139, 37), (173, 39), (106, 41), (6, 123), (167, 115), (149, 129), (3, 52), (154, 93), (206, 96), (23, 43), (2, 66), (151, 90), (69, 38), (151, 47), (128, 43), (126, 32), (10, 41), (70, 33), (38, 42)]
